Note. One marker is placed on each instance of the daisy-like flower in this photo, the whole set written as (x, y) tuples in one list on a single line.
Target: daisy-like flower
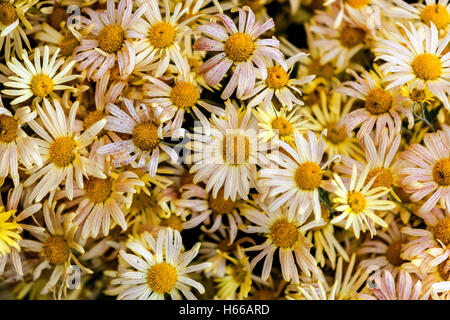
[(12, 16), (18, 217), (382, 106), (358, 201), (436, 282), (101, 203), (278, 124), (384, 251), (341, 44), (9, 234), (147, 132), (420, 59), (205, 205), (277, 80), (427, 170), (432, 11), (345, 286), (160, 43), (327, 115), (15, 145), (182, 97), (62, 150), (40, 80), (239, 47), (431, 246), (395, 287), (237, 281), (293, 179), (112, 39), (284, 231), (158, 268), (227, 158), (54, 247)]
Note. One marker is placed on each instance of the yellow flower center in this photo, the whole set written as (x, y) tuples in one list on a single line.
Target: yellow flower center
[(283, 126), (284, 233), (68, 44), (350, 37), (173, 222), (8, 128), (93, 117), (444, 271), (383, 179), (239, 47), (162, 35), (41, 85), (436, 13), (162, 277), (98, 190), (356, 201), (56, 250), (308, 176), (235, 149), (277, 77), (442, 231), (219, 205), (321, 70), (427, 67), (8, 13), (441, 172), (417, 95), (111, 38), (145, 135), (184, 95), (357, 4), (378, 101), (239, 274), (62, 151), (393, 253), (335, 134)]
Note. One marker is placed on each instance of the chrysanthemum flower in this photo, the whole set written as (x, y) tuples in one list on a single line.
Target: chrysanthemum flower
[(62, 150), (205, 206), (158, 268), (16, 147), (147, 133), (18, 221), (9, 235), (427, 171), (12, 17), (432, 11), (183, 96), (40, 80), (419, 59), (285, 232), (382, 107), (327, 115), (430, 246), (294, 178), (227, 158), (160, 44), (112, 39), (54, 247), (384, 252), (278, 124), (277, 80), (238, 46), (390, 286), (102, 202), (358, 201)]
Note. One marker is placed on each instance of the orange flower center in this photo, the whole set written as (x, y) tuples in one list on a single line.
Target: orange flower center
[(111, 38), (68, 44), (161, 277), (8, 13), (162, 35), (308, 176), (436, 13), (350, 37), (356, 201), (98, 190), (173, 222), (62, 151), (427, 67), (184, 95), (145, 135), (442, 231), (393, 253), (56, 250), (239, 47), (378, 101), (284, 233), (335, 134), (357, 4), (283, 126), (441, 172), (277, 77), (41, 85), (383, 179), (219, 205)]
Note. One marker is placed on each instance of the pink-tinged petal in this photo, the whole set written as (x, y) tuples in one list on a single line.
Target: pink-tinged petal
[(213, 30), (216, 74), (228, 23), (206, 44)]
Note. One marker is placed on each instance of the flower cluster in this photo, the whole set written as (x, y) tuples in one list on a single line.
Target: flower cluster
[(234, 149)]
